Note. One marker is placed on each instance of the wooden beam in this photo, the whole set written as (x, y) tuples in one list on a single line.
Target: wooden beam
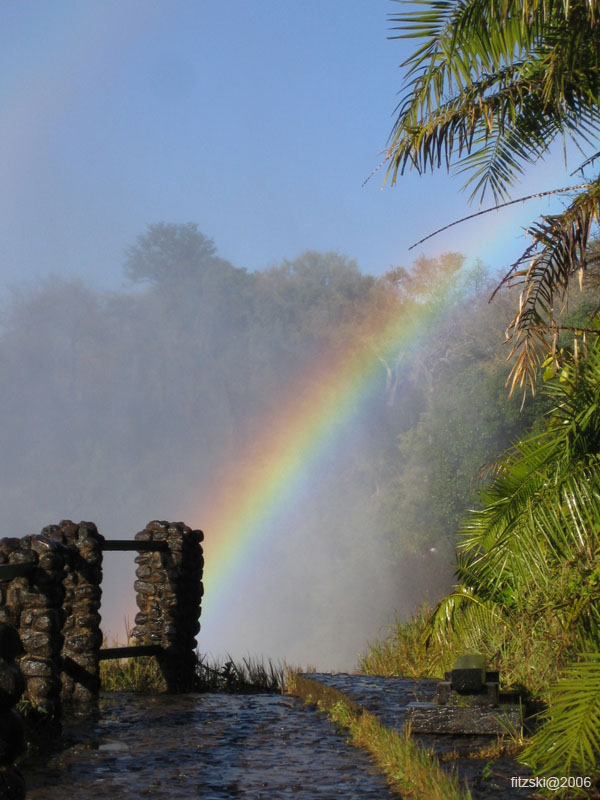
[(134, 544), (130, 652)]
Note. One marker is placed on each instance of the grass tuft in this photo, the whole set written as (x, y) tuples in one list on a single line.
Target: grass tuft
[(404, 652), (248, 676), (143, 674), (131, 675), (530, 655)]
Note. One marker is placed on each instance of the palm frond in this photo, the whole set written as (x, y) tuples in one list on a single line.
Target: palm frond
[(512, 549), (489, 88), (547, 193), (559, 250), (464, 616), (540, 514), (569, 740), (485, 89)]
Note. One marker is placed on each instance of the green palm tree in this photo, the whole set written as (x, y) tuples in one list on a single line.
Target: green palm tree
[(490, 87), (529, 561)]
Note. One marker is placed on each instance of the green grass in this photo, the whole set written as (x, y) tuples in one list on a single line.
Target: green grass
[(404, 651), (530, 656), (411, 771), (144, 675), (247, 676), (131, 675)]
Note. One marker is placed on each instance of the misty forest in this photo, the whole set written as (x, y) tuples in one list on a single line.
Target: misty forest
[(132, 405), (128, 406)]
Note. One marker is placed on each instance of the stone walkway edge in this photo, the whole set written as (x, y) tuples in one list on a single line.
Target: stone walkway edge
[(387, 698)]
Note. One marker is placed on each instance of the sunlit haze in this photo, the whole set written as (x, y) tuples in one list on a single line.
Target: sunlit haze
[(259, 123)]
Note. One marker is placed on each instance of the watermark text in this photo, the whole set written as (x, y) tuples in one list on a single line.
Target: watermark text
[(551, 782)]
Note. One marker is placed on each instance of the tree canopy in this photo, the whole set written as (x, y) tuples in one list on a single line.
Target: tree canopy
[(172, 254)]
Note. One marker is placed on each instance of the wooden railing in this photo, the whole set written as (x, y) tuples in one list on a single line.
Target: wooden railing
[(130, 652), (10, 571), (133, 651), (134, 544)]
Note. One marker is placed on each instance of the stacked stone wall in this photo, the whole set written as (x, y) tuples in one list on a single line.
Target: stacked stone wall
[(169, 592), (33, 605), (12, 732), (82, 637), (55, 607)]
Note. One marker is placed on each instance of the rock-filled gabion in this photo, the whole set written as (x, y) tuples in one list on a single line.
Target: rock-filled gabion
[(54, 609), (33, 605), (169, 592), (82, 637), (12, 732)]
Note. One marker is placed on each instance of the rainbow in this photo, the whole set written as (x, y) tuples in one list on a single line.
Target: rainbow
[(261, 485)]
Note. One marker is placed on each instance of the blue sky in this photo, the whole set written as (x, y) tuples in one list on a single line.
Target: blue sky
[(258, 120)]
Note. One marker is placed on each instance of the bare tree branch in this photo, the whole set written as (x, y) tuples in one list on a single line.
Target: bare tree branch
[(495, 208)]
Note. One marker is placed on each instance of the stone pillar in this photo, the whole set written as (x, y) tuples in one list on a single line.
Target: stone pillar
[(32, 604), (12, 732), (169, 591), (80, 673)]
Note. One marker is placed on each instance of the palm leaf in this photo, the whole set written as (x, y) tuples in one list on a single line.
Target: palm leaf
[(480, 69), (464, 617), (559, 250), (539, 524), (489, 88), (569, 740)]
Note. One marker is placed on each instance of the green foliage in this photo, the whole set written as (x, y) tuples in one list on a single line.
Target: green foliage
[(193, 363), (492, 84), (541, 510), (569, 740), (404, 652), (147, 398), (529, 590), (171, 254), (534, 541), (131, 675), (245, 677), (449, 417), (528, 566)]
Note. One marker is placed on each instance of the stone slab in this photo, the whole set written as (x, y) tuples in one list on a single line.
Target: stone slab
[(487, 696), (433, 718)]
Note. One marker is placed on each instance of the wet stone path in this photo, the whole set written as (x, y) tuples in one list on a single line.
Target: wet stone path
[(210, 746)]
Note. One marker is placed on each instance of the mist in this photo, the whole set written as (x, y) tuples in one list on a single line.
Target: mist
[(123, 407)]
